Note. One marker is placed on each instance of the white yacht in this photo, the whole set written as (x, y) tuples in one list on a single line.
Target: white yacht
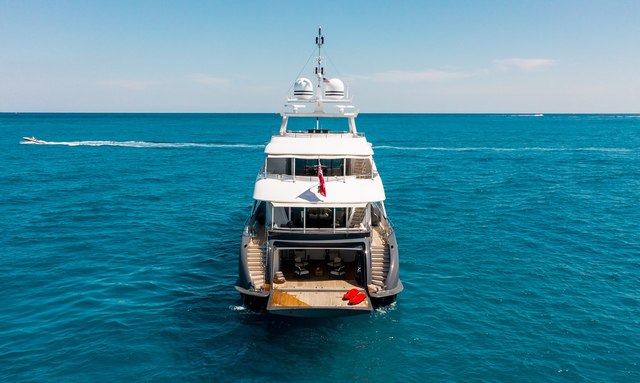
[(318, 241)]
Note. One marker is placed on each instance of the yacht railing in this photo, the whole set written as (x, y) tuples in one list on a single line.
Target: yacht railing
[(289, 177), (321, 230), (386, 229), (321, 133)]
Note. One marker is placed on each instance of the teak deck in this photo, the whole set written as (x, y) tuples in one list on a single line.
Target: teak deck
[(315, 294)]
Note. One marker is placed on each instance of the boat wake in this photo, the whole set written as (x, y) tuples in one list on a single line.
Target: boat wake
[(149, 144), (384, 310), (494, 149), (144, 144)]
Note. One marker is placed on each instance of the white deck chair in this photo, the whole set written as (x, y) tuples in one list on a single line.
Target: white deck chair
[(337, 262), (338, 272), (300, 262), (301, 271)]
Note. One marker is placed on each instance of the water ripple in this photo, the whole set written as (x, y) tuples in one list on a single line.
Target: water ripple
[(519, 242)]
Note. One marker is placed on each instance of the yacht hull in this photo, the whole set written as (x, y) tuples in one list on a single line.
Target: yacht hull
[(319, 312), (260, 305)]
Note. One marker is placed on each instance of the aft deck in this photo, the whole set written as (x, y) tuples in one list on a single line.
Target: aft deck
[(315, 294)]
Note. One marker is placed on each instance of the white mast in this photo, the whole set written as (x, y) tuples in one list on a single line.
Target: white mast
[(319, 73), (330, 92)]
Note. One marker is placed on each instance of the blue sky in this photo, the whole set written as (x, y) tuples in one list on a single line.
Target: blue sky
[(243, 56)]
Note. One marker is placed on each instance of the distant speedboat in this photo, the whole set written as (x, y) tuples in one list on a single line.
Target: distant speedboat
[(33, 140)]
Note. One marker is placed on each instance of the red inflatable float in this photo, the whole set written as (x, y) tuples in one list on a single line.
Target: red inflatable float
[(350, 294), (357, 299)]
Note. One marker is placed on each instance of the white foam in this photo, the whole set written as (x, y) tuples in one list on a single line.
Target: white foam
[(384, 310), (495, 149)]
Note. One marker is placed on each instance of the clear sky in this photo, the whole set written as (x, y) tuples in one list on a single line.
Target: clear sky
[(538, 56)]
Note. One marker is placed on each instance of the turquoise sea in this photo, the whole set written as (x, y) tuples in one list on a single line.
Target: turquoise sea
[(519, 239)]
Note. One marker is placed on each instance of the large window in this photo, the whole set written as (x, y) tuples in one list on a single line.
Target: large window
[(333, 167), (311, 217), (279, 166)]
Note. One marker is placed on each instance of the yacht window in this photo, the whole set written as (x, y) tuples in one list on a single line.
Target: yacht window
[(319, 217), (341, 216), (311, 217), (279, 166), (330, 168), (280, 216), (297, 217), (359, 167)]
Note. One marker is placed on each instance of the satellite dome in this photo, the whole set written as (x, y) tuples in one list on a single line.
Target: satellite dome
[(334, 89), (303, 89)]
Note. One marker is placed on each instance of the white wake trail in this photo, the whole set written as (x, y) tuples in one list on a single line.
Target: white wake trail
[(144, 144), (495, 149)]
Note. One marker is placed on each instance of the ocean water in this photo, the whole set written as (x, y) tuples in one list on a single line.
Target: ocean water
[(519, 238)]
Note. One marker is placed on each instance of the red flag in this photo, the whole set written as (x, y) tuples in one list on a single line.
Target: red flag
[(321, 188)]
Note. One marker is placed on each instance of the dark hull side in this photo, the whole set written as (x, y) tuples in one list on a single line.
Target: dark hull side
[(259, 304)]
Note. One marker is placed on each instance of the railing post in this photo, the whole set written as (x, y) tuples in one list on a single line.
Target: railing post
[(334, 220)]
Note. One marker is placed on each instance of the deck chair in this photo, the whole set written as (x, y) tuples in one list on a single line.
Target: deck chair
[(337, 262), (300, 262), (301, 271), (338, 272)]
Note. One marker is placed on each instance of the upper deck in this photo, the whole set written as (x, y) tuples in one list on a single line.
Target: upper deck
[(319, 145)]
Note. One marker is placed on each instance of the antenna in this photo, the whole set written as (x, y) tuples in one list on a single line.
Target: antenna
[(320, 38), (319, 43), (319, 70)]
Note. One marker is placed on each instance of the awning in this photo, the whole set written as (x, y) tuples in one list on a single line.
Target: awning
[(314, 146)]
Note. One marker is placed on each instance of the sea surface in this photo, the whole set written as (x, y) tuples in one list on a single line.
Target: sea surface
[(519, 240)]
